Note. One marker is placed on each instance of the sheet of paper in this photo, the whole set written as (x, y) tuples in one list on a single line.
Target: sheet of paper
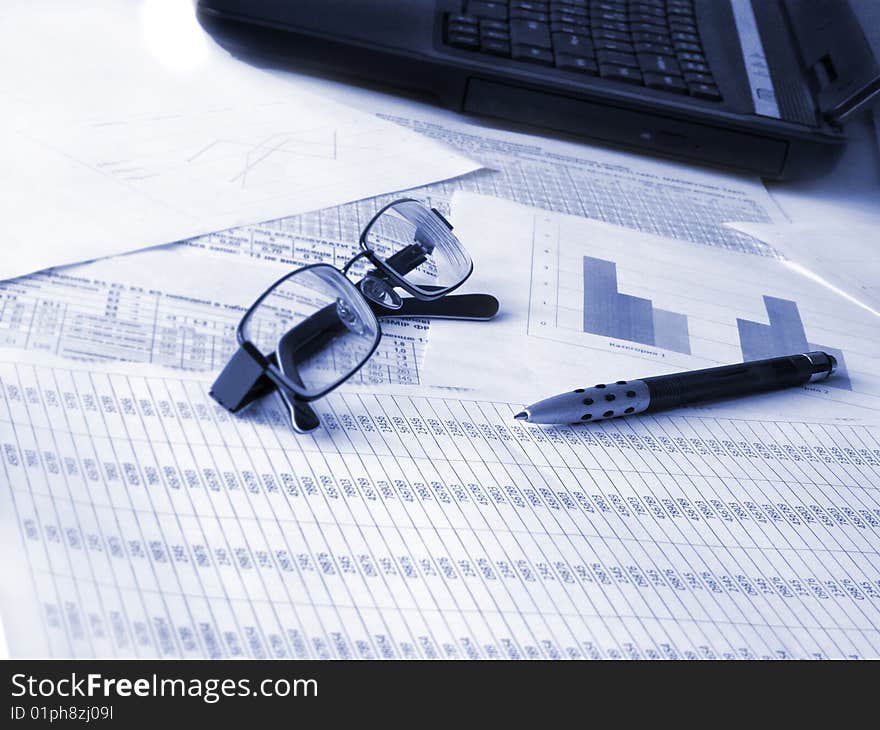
[(635, 191), (139, 520), (169, 306), (672, 199), (137, 130), (845, 256), (584, 302)]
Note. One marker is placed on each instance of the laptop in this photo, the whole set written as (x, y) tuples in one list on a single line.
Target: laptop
[(759, 86)]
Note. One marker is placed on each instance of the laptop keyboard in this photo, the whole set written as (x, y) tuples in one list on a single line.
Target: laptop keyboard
[(654, 43)]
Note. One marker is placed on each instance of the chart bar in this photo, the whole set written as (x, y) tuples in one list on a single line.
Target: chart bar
[(671, 331), (601, 315), (626, 317), (785, 335)]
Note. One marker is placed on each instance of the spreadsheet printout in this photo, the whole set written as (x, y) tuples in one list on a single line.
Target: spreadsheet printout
[(149, 307), (626, 189), (139, 519)]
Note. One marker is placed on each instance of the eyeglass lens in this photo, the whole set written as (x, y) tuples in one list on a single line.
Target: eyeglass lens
[(416, 244), (318, 325)]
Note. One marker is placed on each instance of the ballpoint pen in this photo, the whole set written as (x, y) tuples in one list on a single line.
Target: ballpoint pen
[(625, 398)]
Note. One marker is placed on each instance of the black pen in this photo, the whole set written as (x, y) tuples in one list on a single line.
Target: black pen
[(626, 398)]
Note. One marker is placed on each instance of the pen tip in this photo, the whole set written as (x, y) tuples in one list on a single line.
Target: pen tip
[(522, 416)]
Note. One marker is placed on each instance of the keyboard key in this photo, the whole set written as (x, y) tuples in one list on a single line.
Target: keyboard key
[(605, 15), (613, 58), (651, 37), (568, 27), (614, 27), (580, 45), (496, 11), (529, 15), (682, 26), (580, 64), (611, 35), (666, 83), (620, 73), (571, 9), (680, 7), (466, 19), (685, 37), (658, 64), (461, 28), (495, 47), (613, 46), (688, 47), (530, 33), (700, 68), (533, 54), (647, 28), (695, 57), (558, 16), (498, 35), (695, 78), (648, 19), (494, 25), (463, 40), (657, 48), (534, 7), (705, 91), (656, 11)]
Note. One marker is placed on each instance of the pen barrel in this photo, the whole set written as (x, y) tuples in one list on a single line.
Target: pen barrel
[(731, 381)]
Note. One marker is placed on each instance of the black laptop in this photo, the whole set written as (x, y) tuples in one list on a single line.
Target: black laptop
[(761, 86)]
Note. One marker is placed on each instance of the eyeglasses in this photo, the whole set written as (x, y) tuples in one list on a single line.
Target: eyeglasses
[(314, 328)]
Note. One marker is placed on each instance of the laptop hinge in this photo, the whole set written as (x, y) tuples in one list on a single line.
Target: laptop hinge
[(836, 56)]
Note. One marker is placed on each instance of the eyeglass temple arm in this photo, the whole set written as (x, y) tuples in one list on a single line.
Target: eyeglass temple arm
[(478, 307), (454, 306), (247, 377), (407, 259), (302, 417), (309, 336), (244, 379)]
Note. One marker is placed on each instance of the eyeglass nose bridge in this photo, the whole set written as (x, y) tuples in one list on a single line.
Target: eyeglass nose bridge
[(380, 291)]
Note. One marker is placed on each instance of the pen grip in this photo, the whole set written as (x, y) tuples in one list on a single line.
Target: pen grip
[(729, 381)]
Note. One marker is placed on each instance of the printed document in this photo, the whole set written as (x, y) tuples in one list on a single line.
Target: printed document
[(139, 519), (846, 256), (170, 306), (127, 144), (584, 302)]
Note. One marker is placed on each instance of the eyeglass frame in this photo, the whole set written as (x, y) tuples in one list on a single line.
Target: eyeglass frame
[(250, 374), (370, 255)]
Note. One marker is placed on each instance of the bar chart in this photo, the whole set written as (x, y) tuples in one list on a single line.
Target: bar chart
[(586, 302), (784, 335), (609, 312)]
